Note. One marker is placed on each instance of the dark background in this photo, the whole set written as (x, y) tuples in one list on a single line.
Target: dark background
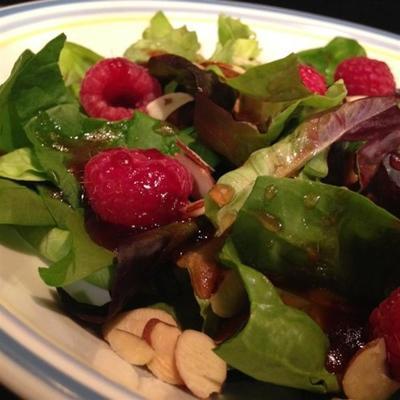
[(382, 14)]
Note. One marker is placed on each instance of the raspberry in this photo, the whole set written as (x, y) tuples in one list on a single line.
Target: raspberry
[(138, 188), (114, 87), (385, 322), (312, 79), (366, 77)]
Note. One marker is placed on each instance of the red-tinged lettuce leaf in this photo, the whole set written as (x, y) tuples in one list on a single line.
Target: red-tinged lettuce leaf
[(192, 79), (237, 139), (216, 127), (288, 156), (355, 160), (382, 137), (371, 155), (278, 118), (378, 126)]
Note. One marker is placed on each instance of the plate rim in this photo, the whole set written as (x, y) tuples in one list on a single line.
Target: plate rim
[(34, 5), (56, 379)]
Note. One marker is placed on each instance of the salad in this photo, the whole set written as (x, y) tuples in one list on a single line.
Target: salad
[(229, 224)]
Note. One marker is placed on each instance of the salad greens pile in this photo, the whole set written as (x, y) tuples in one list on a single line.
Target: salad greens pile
[(280, 203)]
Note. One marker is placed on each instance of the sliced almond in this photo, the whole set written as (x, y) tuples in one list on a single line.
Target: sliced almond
[(231, 297), (129, 347), (366, 377), (163, 106), (202, 371), (163, 338), (193, 210), (134, 321), (354, 98), (146, 335), (203, 181)]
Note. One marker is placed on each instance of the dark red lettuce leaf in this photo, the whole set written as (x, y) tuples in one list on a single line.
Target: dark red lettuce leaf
[(217, 129), (379, 125), (376, 137), (371, 155), (144, 259), (192, 79), (384, 188), (381, 135), (146, 274)]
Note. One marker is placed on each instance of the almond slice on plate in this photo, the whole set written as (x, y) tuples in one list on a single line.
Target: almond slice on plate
[(162, 338), (134, 321), (366, 377), (129, 347), (202, 371)]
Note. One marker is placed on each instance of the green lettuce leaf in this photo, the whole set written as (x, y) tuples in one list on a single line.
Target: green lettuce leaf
[(236, 43), (295, 112), (321, 236), (144, 132), (317, 167), (22, 206), (232, 28), (161, 37), (50, 243), (56, 165), (66, 130), (279, 344), (74, 61), (275, 81), (44, 132), (326, 59), (35, 84), (84, 256), (11, 132), (21, 165), (190, 137), (54, 230)]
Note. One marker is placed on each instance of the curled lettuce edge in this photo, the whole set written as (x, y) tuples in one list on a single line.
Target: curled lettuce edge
[(289, 155)]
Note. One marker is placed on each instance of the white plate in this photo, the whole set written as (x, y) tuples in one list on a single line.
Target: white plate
[(43, 353)]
